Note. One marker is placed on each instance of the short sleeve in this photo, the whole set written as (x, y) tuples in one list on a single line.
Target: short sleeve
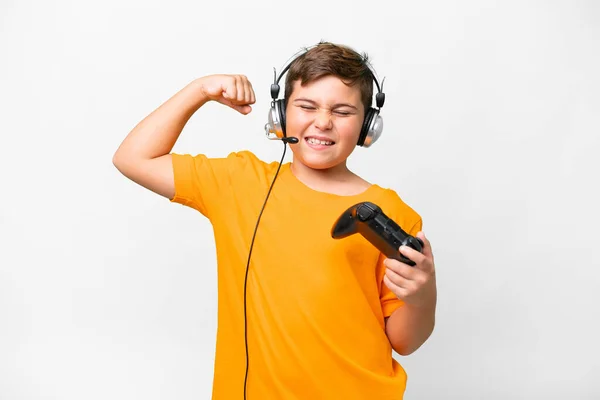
[(202, 182), (389, 301)]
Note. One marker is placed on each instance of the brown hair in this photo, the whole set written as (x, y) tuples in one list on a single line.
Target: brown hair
[(332, 59)]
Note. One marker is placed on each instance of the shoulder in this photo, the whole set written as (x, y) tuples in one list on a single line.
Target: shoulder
[(252, 162), (235, 160), (244, 156), (240, 155), (400, 211), (241, 163), (247, 168)]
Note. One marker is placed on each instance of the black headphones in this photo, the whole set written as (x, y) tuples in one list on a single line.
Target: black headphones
[(372, 125)]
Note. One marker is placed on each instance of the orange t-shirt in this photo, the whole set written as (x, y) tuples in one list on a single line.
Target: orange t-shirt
[(315, 305)]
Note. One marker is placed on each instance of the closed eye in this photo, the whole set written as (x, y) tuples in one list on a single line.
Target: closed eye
[(309, 107)]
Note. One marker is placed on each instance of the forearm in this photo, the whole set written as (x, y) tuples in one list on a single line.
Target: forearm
[(409, 327), (156, 134)]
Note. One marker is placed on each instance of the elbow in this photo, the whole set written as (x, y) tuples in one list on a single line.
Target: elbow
[(120, 162), (120, 158), (408, 345), (116, 160), (406, 350)]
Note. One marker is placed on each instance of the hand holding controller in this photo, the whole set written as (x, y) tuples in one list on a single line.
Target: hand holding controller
[(369, 220)]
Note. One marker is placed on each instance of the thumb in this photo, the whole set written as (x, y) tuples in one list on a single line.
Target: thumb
[(243, 109)]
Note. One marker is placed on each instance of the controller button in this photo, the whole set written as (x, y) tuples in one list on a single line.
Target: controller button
[(364, 213)]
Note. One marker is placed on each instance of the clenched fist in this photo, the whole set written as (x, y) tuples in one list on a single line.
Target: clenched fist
[(234, 91)]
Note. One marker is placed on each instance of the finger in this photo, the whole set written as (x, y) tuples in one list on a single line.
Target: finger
[(412, 254), (241, 90), (401, 268), (427, 250), (244, 84), (230, 92), (399, 291), (397, 279), (423, 263), (247, 91), (252, 94), (242, 109)]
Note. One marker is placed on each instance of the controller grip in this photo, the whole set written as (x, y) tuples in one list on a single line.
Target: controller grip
[(369, 220), (412, 242)]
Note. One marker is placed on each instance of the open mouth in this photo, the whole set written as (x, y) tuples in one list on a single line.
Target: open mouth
[(319, 142)]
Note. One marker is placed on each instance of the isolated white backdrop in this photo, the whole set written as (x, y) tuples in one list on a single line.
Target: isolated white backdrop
[(492, 130)]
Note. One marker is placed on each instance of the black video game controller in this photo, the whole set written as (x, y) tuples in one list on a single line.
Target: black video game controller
[(369, 220)]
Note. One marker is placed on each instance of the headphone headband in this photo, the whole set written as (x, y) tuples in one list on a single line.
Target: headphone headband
[(379, 97)]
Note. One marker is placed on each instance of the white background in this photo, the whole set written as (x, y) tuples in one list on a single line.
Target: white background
[(492, 133)]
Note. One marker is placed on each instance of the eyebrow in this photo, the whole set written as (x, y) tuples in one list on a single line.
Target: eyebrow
[(334, 106)]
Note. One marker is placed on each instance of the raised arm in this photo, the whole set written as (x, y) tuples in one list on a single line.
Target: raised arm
[(144, 156)]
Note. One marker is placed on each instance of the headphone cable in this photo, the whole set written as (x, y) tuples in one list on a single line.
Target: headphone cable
[(248, 265)]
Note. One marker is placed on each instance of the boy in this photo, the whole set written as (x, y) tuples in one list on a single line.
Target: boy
[(316, 317)]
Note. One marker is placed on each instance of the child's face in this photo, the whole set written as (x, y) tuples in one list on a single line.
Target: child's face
[(326, 110)]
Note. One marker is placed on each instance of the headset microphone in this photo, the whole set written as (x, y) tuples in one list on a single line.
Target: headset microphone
[(292, 140)]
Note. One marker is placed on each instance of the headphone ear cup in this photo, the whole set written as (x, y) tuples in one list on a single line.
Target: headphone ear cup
[(280, 105), (365, 127), (276, 123), (371, 129)]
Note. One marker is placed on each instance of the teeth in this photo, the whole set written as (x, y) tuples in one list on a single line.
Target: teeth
[(317, 141)]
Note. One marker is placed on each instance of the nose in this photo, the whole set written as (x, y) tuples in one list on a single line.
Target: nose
[(323, 120)]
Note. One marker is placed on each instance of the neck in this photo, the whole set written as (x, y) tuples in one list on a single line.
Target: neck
[(321, 177)]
